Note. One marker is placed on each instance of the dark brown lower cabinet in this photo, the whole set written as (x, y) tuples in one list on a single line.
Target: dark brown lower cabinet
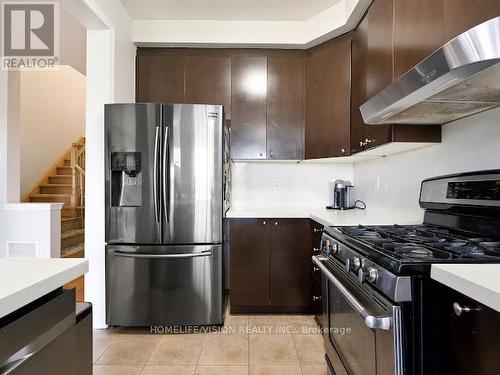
[(456, 341), (249, 263), (270, 266), (290, 286)]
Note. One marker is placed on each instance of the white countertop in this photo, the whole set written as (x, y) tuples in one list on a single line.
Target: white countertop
[(24, 280), (480, 282), (370, 216)]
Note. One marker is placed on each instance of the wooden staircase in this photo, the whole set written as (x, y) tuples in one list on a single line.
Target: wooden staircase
[(64, 182)]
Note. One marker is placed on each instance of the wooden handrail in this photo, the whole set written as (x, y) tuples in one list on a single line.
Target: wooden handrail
[(80, 169), (78, 175)]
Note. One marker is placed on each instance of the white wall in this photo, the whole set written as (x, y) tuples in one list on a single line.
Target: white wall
[(122, 64), (285, 184), (73, 42), (469, 144), (341, 17), (52, 118), (110, 78), (33, 228), (26, 225), (10, 110)]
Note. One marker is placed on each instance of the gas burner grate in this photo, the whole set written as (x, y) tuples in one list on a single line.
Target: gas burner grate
[(423, 242)]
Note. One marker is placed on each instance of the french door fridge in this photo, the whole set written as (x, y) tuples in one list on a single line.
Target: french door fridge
[(165, 202)]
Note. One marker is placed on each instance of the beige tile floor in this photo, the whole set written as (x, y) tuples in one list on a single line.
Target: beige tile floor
[(247, 345)]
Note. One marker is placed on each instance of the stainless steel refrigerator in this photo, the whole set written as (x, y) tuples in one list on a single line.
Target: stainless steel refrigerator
[(167, 191)]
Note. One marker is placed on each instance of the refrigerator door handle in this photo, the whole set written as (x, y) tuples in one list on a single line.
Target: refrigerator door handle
[(207, 253), (166, 173), (155, 174)]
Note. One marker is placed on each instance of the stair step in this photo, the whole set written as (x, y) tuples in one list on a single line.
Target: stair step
[(67, 163), (67, 212), (76, 251), (64, 171), (60, 179), (71, 223), (70, 218), (71, 238), (51, 198), (56, 189)]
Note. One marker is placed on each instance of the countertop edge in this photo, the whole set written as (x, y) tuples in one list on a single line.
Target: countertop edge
[(327, 218), (32, 292), (470, 288)]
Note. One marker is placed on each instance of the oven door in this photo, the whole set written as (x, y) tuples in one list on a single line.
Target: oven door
[(364, 334)]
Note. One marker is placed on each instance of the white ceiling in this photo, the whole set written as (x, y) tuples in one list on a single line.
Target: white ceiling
[(250, 10)]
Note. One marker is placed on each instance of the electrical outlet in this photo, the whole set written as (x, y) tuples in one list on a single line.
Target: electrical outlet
[(277, 184)]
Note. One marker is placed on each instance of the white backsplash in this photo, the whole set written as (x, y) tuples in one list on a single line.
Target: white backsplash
[(391, 182), (468, 145), (285, 184)]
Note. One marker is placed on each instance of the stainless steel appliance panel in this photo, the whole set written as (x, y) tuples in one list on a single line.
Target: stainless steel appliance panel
[(164, 285), (373, 344), (458, 80), (193, 174), (133, 140)]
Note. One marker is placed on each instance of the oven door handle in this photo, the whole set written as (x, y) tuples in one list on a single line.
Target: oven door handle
[(372, 321)]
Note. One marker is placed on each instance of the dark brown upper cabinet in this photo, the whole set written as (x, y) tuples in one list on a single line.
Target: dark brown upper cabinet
[(422, 26), (418, 32), (285, 105), (461, 15), (208, 81), (249, 107), (328, 98), (160, 77), (373, 68)]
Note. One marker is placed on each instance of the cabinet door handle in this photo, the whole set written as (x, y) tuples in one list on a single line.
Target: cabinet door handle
[(316, 230), (459, 310), (317, 298), (271, 153), (276, 223), (264, 222)]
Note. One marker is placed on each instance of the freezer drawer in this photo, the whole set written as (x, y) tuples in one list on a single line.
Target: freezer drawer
[(164, 285)]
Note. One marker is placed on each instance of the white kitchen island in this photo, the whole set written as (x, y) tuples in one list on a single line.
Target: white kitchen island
[(43, 330), (481, 282), (23, 281)]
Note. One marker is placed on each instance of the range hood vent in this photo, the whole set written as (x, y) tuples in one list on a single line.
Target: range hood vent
[(458, 80)]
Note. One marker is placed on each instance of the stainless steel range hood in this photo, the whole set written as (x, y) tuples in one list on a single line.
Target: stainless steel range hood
[(460, 79)]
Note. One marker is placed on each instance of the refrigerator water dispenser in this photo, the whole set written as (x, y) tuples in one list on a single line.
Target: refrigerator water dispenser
[(126, 179)]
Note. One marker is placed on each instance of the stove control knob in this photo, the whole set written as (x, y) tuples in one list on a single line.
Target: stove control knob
[(370, 275), (335, 248), (353, 264), (330, 247), (327, 247)]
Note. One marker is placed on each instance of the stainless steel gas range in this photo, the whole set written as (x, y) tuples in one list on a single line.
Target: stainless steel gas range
[(377, 289)]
